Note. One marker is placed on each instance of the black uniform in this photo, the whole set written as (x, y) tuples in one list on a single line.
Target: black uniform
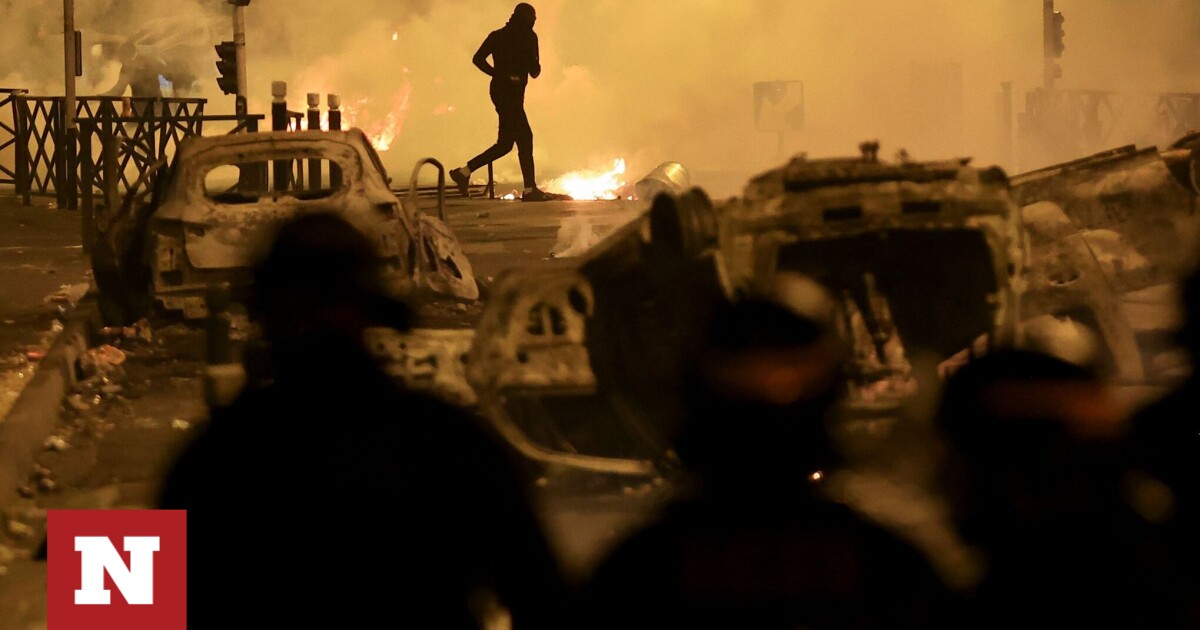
[(514, 50)]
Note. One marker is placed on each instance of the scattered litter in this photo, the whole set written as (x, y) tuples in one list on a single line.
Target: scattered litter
[(18, 529), (68, 294), (26, 492), (56, 326), (111, 389), (461, 306), (76, 402), (35, 355), (140, 330), (46, 484), (103, 358), (180, 424), (56, 443)]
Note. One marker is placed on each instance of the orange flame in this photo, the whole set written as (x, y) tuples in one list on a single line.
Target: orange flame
[(382, 132), (591, 184)]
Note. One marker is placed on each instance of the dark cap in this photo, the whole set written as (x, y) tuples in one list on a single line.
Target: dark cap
[(320, 260)]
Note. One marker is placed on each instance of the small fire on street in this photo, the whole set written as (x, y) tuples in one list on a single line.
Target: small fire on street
[(591, 185)]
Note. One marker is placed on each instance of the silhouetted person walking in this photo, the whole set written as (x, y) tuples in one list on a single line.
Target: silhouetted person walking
[(758, 545), (330, 497), (514, 52)]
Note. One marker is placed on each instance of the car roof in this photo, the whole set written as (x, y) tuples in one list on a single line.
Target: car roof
[(195, 145)]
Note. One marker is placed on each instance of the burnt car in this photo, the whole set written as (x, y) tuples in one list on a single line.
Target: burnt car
[(218, 204), (1110, 235), (924, 260)]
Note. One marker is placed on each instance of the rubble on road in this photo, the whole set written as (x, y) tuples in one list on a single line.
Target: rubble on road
[(102, 359), (68, 294)]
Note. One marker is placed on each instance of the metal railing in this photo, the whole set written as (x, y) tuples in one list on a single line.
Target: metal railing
[(10, 161)]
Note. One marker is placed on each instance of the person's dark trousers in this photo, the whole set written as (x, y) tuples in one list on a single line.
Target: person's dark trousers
[(509, 99)]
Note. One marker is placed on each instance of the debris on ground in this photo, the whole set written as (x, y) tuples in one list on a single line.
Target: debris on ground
[(139, 331), (68, 294), (17, 529), (76, 402), (180, 425), (102, 359), (56, 443)]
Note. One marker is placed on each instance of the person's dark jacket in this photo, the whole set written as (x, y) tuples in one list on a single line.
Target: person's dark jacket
[(334, 496), (514, 50)]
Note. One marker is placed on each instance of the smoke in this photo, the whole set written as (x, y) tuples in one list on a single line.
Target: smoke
[(173, 37), (656, 81)]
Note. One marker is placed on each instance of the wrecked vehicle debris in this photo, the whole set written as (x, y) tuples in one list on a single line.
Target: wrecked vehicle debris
[(1110, 234), (600, 348), (669, 177), (221, 200), (531, 370)]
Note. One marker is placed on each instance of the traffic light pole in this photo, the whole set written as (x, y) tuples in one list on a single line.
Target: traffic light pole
[(1052, 42), (1047, 55), (239, 41), (67, 196)]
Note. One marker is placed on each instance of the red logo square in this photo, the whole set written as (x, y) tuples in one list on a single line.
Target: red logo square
[(116, 570)]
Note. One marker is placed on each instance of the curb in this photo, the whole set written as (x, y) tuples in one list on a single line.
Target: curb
[(38, 410)]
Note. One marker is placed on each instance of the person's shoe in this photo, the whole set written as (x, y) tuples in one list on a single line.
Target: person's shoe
[(537, 194), (462, 180)]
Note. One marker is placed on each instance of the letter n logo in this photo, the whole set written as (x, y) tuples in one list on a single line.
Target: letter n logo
[(116, 569)]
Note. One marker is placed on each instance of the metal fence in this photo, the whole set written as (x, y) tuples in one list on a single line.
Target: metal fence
[(8, 135)]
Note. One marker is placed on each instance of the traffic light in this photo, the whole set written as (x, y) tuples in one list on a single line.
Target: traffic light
[(227, 66), (1057, 34)]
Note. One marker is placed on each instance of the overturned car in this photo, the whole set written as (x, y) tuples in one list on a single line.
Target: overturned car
[(214, 209), (582, 366), (1110, 235)]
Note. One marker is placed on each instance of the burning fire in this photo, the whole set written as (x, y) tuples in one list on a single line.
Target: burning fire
[(591, 184), (381, 132)]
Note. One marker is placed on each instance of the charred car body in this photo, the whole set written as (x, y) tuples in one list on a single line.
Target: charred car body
[(925, 260), (217, 206), (1111, 233)]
